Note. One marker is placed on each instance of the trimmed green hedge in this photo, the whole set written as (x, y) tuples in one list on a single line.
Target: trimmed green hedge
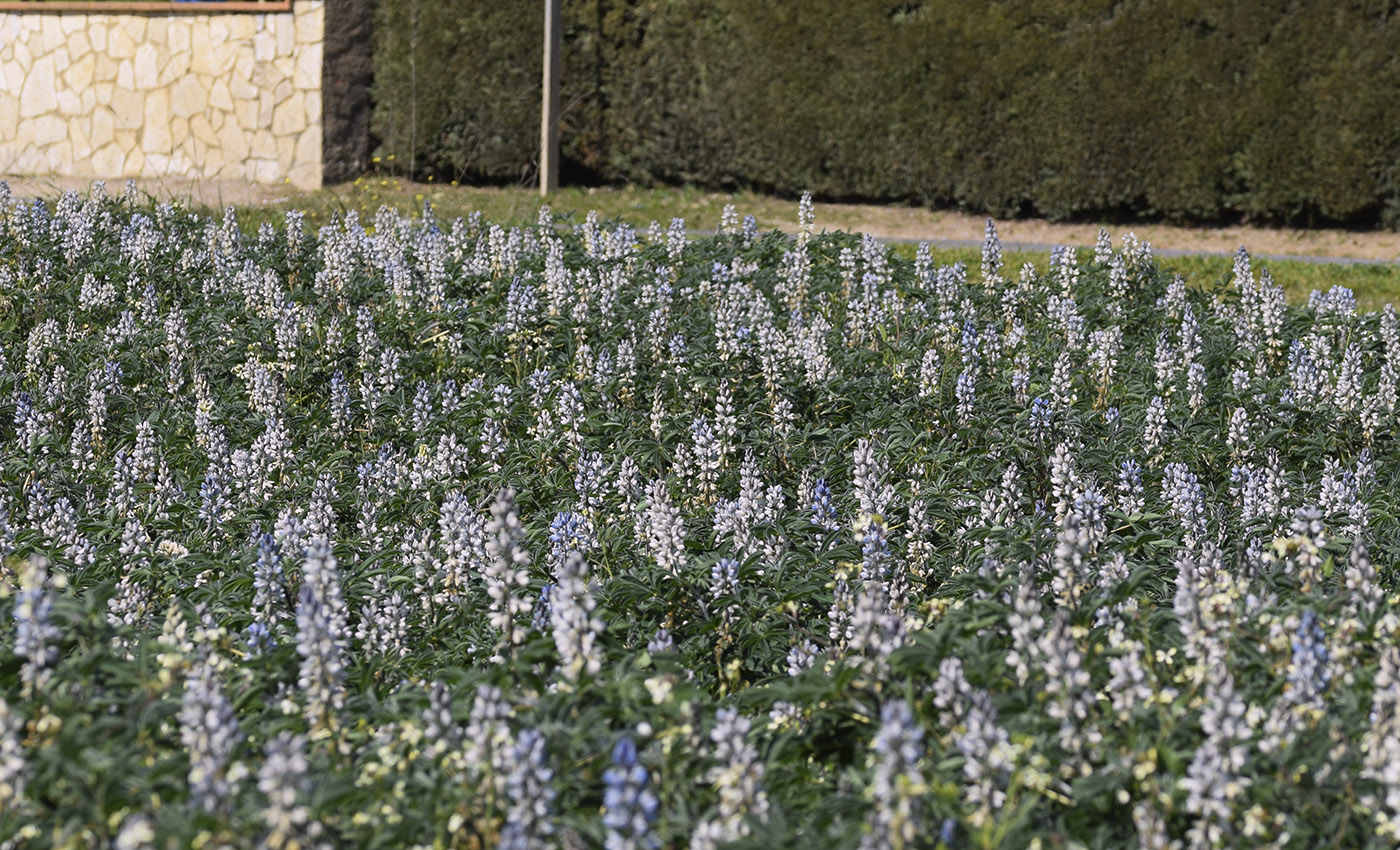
[(1186, 109)]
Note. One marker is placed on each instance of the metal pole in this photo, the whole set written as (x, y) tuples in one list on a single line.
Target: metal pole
[(549, 113)]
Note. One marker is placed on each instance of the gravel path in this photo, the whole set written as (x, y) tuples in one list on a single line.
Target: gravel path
[(957, 229)]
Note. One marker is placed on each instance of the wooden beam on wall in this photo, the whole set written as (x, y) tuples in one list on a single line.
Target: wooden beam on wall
[(118, 7)]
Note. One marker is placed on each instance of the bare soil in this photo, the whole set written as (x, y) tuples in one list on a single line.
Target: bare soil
[(207, 193), (910, 223)]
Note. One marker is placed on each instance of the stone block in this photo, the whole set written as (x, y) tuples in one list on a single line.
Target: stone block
[(241, 27), (173, 69), (39, 95), (286, 150), (48, 129), (59, 158), (9, 115), (212, 161), (107, 161), (104, 128), (201, 129), (245, 113), (103, 92), (307, 73), (308, 147), (306, 176), (264, 171), (227, 54), (126, 75), (135, 163), (79, 74), (147, 67), (264, 144), (78, 135), (285, 31), (69, 103), (179, 132), (188, 97), (79, 45), (89, 100), (120, 44), (178, 36), (12, 75), (155, 133), (264, 46), (156, 29), (282, 91), (51, 33), (180, 163), (136, 25), (97, 31), (265, 105), (71, 24), (310, 23), (204, 61), (30, 161), (128, 107), (219, 95), (241, 80), (233, 141)]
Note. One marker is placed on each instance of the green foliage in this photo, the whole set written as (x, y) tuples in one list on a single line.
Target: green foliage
[(1262, 110), (192, 417)]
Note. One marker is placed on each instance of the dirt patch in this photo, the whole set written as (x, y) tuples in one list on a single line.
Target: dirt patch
[(909, 223)]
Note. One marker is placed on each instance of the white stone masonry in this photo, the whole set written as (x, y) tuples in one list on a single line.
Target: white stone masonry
[(231, 96)]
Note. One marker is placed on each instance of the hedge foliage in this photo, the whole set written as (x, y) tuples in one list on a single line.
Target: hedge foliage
[(1185, 109)]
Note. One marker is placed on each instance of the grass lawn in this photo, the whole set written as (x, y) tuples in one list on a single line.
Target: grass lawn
[(1373, 284)]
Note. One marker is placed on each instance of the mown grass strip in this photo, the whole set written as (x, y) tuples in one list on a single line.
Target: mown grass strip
[(1374, 284)]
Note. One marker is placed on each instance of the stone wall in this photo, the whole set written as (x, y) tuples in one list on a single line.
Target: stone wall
[(231, 96)]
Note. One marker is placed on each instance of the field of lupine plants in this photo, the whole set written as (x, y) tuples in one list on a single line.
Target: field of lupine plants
[(421, 533)]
